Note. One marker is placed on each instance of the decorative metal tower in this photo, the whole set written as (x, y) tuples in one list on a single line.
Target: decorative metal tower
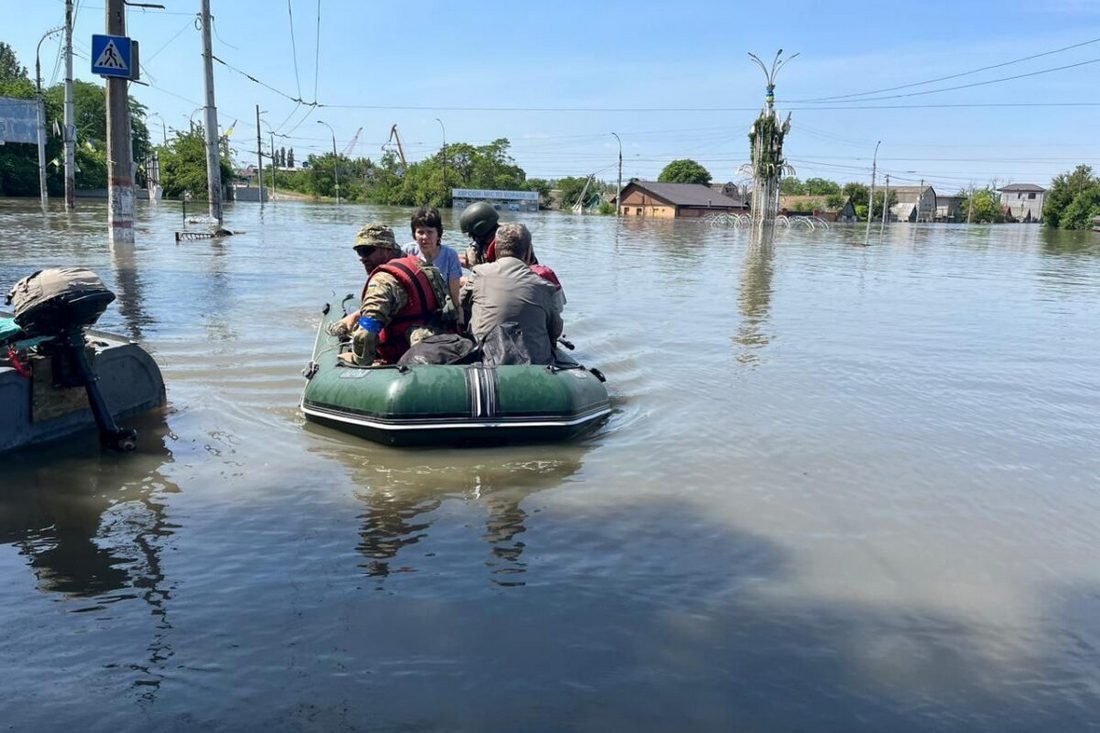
[(766, 138)]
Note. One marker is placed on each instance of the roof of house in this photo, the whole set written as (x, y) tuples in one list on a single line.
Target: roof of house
[(1022, 187), (687, 194)]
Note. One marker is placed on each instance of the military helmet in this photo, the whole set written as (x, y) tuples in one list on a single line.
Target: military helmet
[(478, 220)]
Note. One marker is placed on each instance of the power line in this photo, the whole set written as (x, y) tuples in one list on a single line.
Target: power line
[(265, 85), (950, 76), (294, 49), (981, 83), (317, 52)]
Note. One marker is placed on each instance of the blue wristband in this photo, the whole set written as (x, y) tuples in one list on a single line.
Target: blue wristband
[(370, 324)]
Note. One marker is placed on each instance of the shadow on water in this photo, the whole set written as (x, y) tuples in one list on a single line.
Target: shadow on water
[(402, 493), (92, 525)]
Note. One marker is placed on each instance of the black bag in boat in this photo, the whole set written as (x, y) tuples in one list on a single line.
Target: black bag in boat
[(57, 300), (444, 348)]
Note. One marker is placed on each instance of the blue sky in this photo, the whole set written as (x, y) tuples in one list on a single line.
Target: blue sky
[(672, 79)]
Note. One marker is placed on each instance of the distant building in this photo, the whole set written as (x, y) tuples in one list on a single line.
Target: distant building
[(502, 200), (1023, 201), (676, 200), (914, 203), (948, 208)]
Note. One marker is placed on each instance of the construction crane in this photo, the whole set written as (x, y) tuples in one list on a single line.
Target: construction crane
[(351, 146), (394, 137)]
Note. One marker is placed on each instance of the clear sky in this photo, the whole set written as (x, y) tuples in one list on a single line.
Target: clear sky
[(673, 79)]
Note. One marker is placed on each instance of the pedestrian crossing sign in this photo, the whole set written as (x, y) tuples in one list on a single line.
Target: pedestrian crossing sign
[(114, 56)]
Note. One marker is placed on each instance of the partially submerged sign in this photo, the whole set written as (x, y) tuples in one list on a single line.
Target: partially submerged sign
[(18, 120)]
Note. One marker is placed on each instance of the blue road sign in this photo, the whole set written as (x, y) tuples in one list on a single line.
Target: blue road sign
[(112, 56)]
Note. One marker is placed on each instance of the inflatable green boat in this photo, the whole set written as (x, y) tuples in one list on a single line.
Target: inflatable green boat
[(452, 404)]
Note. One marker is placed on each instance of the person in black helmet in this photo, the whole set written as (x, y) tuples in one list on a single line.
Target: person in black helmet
[(479, 221)]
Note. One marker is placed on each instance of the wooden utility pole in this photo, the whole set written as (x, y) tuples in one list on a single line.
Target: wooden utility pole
[(70, 115), (120, 154), (213, 156)]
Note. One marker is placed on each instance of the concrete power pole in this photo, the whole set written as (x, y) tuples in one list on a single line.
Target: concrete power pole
[(259, 158), (70, 115), (885, 199), (619, 204), (274, 168), (871, 195), (120, 152), (213, 157)]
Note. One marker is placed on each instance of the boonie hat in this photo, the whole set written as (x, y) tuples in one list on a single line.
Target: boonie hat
[(376, 235)]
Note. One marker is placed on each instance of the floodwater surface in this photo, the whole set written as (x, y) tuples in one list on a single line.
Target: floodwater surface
[(848, 485)]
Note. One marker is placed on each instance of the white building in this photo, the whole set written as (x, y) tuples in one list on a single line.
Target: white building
[(914, 203), (1023, 201)]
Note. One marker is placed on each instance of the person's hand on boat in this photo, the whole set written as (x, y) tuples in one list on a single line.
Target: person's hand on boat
[(339, 329)]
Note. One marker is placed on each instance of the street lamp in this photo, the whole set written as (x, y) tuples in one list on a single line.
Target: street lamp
[(444, 154), (619, 204), (42, 116), (335, 160)]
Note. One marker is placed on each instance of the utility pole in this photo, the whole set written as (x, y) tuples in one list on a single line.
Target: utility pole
[(886, 199), (970, 202), (213, 156), (120, 152), (619, 204), (43, 194), (259, 157), (274, 166), (871, 196), (336, 161), (444, 129), (70, 115), (920, 202)]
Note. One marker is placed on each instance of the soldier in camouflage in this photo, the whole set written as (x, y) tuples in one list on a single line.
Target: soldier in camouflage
[(404, 301)]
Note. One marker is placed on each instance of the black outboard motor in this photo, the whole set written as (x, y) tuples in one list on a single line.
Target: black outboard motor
[(61, 303)]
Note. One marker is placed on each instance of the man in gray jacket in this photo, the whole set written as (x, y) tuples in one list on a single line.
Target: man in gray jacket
[(508, 298)]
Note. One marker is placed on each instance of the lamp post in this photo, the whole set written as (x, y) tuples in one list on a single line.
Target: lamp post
[(618, 192), (444, 129), (871, 196), (42, 116), (335, 160)]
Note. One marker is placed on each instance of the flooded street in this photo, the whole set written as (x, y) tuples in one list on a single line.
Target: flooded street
[(844, 487)]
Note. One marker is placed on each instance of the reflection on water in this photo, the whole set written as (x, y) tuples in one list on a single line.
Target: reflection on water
[(402, 502), (93, 525), (129, 290), (755, 296)]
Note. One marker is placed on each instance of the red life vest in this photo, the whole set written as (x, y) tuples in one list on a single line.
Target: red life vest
[(547, 274), (421, 306)]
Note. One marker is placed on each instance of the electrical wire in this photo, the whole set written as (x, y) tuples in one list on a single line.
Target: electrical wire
[(317, 53), (294, 49), (981, 83), (950, 76)]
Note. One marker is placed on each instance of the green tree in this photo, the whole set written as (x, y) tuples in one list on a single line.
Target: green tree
[(290, 158), (982, 205), (183, 164), (684, 171), (1081, 211), (858, 194), (821, 187), (570, 188), (791, 186), (1063, 190)]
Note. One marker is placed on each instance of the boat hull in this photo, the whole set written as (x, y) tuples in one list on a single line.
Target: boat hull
[(452, 404), (35, 412)]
